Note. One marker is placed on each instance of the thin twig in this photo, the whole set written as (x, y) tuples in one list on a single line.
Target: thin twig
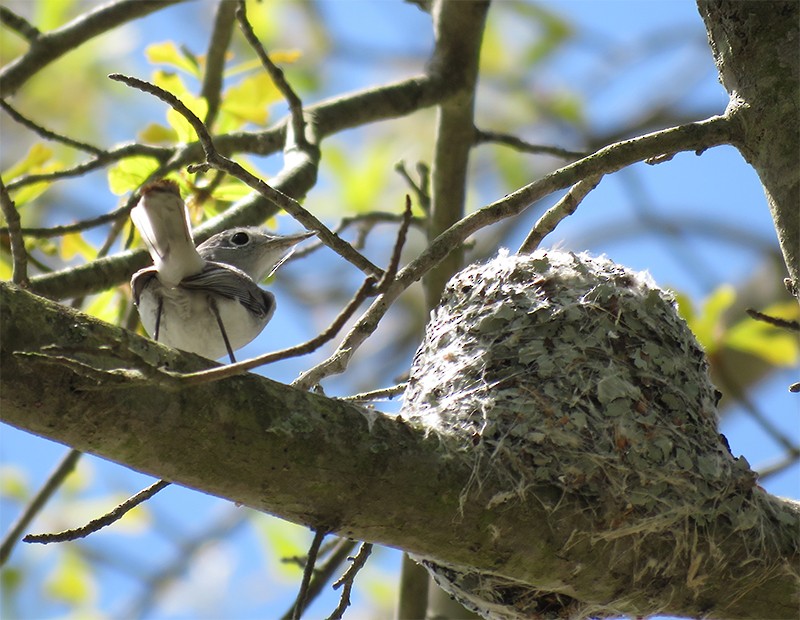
[(276, 74), (553, 216), (373, 395), (773, 320), (422, 187), (159, 153), (321, 576), (47, 133), (57, 231), (223, 372), (707, 133), (51, 485), (19, 254), (347, 579), (211, 89), (394, 262), (311, 560), (482, 137), (104, 521), (216, 160), (50, 46), (19, 24), (776, 467)]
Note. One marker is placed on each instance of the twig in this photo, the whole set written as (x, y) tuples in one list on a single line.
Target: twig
[(702, 134), (773, 320), (47, 133), (422, 187), (321, 576), (211, 89), (230, 370), (553, 216), (776, 467), (394, 262), (311, 560), (57, 231), (276, 74), (19, 24), (216, 160), (373, 395), (159, 153), (45, 48), (482, 137), (51, 485), (18, 252), (104, 521), (188, 550), (347, 579)]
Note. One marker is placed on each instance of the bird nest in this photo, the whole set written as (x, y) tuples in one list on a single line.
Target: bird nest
[(569, 371)]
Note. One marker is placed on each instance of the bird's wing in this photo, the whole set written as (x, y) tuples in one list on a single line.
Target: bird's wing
[(230, 282)]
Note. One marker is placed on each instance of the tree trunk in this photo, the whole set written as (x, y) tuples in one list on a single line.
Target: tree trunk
[(755, 48)]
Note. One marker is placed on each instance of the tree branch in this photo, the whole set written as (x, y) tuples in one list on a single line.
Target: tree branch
[(754, 49), (370, 476), (50, 46)]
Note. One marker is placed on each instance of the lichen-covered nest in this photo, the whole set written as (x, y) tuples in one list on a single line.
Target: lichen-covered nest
[(570, 371)]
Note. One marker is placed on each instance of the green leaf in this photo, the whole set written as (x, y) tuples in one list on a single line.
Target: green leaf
[(130, 173), (248, 101), (13, 483), (170, 82), (51, 15), (34, 159), (772, 344), (157, 134), (167, 53), (280, 57), (38, 160), (231, 191), (71, 580), (73, 244), (707, 325), (182, 127)]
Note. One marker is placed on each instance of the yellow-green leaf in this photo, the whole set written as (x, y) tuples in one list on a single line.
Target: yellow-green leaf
[(157, 134), (707, 325), (130, 173), (182, 127), (280, 57), (170, 82), (71, 580), (13, 483), (230, 192), (167, 53), (105, 306), (36, 157), (772, 344), (73, 244), (249, 99)]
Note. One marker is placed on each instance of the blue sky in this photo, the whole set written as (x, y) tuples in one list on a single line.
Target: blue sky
[(715, 187)]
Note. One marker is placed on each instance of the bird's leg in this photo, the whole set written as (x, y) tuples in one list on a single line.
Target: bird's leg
[(158, 317), (213, 304)]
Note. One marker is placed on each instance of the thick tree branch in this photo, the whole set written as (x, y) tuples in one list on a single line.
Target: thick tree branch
[(215, 58), (755, 49), (328, 117), (369, 476), (459, 31)]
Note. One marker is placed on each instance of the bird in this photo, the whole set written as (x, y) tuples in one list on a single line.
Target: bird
[(205, 299)]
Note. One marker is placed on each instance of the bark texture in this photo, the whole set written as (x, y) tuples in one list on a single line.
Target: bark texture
[(755, 48), (359, 473)]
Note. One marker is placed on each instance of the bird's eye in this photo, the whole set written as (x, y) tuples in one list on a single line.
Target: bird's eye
[(240, 238)]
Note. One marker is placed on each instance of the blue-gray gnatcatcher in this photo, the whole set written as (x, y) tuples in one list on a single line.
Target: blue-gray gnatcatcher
[(203, 299)]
